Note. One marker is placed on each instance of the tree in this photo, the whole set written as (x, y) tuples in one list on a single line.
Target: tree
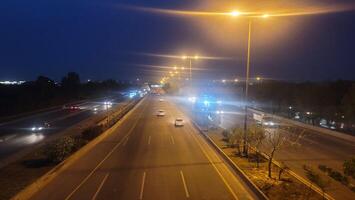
[(235, 138), (256, 138), (278, 139)]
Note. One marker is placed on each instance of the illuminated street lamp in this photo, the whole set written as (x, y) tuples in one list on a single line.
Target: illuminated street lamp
[(258, 78), (236, 14)]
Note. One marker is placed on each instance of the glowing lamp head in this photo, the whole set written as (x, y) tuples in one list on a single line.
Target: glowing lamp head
[(265, 15), (234, 13)]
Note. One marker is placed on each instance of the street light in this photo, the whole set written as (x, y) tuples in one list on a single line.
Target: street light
[(235, 14)]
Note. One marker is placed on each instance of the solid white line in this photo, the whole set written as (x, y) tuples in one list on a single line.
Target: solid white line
[(101, 184), (105, 158), (214, 166), (172, 140), (149, 139), (184, 183), (142, 186)]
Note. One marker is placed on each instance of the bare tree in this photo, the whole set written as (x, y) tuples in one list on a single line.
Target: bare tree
[(236, 138), (256, 138), (278, 139)]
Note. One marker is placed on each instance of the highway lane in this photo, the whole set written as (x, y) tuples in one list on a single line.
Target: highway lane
[(147, 157), (17, 135)]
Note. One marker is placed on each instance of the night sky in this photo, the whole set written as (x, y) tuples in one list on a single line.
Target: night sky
[(103, 39)]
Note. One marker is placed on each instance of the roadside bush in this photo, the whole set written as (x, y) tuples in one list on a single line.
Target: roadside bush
[(349, 167), (91, 132), (60, 149), (325, 169), (316, 179), (339, 177)]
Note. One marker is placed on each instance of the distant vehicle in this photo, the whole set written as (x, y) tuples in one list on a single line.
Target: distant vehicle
[(39, 127), (269, 122), (109, 103), (161, 100), (75, 108), (71, 107), (161, 113), (179, 122)]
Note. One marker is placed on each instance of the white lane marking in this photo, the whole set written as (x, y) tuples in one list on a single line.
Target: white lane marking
[(214, 166), (149, 138), (142, 186), (172, 140), (107, 156), (124, 144), (184, 183), (101, 184)]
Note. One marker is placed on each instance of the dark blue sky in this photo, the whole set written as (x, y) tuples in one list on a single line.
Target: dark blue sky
[(99, 40)]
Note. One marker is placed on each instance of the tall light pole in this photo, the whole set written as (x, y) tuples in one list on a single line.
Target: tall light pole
[(235, 14), (246, 89)]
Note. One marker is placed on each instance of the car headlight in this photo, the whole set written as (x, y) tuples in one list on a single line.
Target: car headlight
[(33, 128)]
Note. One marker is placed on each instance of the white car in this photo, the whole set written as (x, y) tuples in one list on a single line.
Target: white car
[(161, 100), (161, 113), (179, 122)]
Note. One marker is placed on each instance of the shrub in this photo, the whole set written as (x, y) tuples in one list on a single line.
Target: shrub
[(349, 167), (60, 149), (91, 132), (325, 169), (339, 177)]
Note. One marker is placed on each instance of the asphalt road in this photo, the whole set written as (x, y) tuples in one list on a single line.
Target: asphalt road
[(16, 135), (315, 148), (147, 157)]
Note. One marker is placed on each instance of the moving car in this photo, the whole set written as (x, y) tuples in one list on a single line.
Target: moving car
[(40, 127), (179, 122), (161, 113), (269, 122)]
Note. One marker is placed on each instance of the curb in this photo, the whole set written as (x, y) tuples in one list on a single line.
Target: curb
[(36, 186), (239, 171)]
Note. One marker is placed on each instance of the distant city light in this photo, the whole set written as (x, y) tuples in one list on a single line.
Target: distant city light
[(12, 82)]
